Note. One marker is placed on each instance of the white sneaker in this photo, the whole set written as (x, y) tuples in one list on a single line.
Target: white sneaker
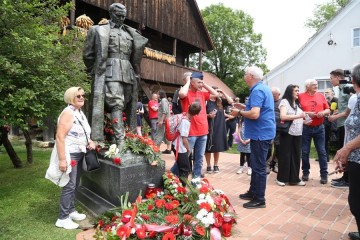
[(66, 223), (77, 216), (249, 171), (301, 183), (241, 170), (279, 183)]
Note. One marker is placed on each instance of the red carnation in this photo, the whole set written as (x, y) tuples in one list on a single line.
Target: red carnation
[(187, 218), (117, 160), (159, 203), (168, 236), (169, 206), (124, 119), (140, 233), (101, 223), (167, 196), (181, 189), (176, 203), (200, 230), (204, 190), (123, 231), (150, 207), (115, 120), (73, 162), (172, 219), (205, 206)]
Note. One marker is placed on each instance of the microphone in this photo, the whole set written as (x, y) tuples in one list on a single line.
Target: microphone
[(333, 106)]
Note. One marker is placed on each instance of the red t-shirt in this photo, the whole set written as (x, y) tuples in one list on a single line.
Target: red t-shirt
[(199, 124), (153, 114), (315, 103)]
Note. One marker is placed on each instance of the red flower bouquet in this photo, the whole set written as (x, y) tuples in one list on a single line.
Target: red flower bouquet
[(194, 212)]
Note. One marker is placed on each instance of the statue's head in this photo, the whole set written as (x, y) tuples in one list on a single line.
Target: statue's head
[(117, 13)]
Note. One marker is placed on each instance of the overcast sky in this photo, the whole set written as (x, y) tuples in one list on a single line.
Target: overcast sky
[(281, 23)]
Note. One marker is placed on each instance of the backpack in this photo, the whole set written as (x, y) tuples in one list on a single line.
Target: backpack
[(171, 126)]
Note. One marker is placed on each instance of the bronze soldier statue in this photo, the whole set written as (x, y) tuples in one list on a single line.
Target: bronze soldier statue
[(112, 56)]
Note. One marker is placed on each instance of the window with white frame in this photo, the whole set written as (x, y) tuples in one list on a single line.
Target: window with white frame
[(356, 37), (323, 84)]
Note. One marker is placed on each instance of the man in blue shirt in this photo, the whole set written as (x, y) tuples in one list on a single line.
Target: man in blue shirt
[(260, 128)]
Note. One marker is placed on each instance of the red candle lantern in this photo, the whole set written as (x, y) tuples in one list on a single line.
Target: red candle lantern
[(227, 225), (150, 191)]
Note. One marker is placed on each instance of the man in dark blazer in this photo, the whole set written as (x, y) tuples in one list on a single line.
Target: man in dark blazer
[(112, 56)]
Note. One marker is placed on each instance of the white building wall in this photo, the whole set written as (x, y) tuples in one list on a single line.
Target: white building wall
[(317, 59)]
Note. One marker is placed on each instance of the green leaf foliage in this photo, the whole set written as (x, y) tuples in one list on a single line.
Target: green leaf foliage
[(324, 12), (37, 63), (236, 45)]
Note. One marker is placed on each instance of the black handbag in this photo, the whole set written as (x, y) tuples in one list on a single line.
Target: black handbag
[(284, 126), (91, 161)]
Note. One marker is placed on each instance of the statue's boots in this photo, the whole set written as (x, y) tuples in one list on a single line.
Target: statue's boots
[(118, 127)]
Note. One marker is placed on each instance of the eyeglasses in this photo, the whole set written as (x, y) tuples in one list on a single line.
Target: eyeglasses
[(80, 96)]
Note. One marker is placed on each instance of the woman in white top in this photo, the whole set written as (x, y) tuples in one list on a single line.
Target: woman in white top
[(68, 153), (290, 142)]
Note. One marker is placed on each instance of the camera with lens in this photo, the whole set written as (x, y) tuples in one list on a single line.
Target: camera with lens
[(348, 87)]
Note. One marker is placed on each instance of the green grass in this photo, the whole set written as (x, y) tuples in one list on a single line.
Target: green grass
[(29, 203)]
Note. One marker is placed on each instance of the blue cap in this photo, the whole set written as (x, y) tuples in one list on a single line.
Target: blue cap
[(198, 75)]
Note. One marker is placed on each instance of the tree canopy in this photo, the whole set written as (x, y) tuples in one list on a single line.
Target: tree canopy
[(236, 45), (324, 12), (37, 63)]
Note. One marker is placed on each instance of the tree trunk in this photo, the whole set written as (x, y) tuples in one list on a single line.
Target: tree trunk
[(28, 144), (9, 148)]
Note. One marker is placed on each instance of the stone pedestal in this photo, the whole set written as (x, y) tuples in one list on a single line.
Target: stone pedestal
[(101, 190)]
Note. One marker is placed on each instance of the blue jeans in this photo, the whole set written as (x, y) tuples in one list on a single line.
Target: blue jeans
[(259, 150), (153, 127), (318, 134), (230, 130), (67, 198), (198, 143)]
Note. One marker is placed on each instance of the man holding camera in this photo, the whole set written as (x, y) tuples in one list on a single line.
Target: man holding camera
[(337, 78)]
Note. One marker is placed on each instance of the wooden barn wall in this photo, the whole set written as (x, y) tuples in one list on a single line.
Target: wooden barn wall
[(162, 72), (175, 18)]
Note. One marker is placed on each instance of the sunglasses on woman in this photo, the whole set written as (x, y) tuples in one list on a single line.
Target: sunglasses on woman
[(80, 96)]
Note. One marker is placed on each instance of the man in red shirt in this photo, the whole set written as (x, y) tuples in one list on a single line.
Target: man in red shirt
[(189, 93), (316, 107), (153, 106)]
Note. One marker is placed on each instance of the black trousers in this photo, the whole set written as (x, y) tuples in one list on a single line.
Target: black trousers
[(289, 158), (184, 167), (340, 144), (354, 191)]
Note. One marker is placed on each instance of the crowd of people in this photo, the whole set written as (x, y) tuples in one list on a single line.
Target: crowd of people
[(273, 132)]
